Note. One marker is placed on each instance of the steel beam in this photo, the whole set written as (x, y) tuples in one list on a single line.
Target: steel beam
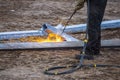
[(66, 44), (57, 31), (69, 29), (20, 34), (69, 43), (82, 27)]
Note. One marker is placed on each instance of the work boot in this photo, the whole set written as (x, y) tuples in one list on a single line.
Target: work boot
[(93, 50)]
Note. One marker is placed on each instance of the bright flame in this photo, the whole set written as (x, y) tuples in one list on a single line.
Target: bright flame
[(50, 38)]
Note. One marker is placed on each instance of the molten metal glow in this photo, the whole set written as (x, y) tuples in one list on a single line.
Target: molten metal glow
[(50, 38)]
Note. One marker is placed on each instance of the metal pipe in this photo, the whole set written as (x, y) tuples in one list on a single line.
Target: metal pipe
[(82, 27), (66, 44), (69, 43), (19, 34), (69, 29)]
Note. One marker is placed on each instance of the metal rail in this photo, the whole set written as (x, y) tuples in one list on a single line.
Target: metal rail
[(82, 27), (70, 42), (69, 29)]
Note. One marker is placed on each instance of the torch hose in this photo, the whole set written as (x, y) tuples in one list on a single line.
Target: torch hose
[(74, 68)]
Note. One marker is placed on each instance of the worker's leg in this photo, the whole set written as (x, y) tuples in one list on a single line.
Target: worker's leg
[(96, 10), (95, 14)]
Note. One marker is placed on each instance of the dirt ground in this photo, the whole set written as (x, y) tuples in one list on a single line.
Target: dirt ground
[(17, 15)]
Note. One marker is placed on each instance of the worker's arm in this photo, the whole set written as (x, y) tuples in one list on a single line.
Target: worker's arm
[(80, 4)]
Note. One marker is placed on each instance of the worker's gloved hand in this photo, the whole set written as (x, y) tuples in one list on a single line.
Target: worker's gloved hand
[(80, 4)]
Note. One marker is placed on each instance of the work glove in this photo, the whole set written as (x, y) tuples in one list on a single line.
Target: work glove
[(80, 4)]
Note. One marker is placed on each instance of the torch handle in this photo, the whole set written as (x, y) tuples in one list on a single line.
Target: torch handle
[(68, 20)]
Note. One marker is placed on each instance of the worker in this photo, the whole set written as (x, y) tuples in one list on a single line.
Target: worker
[(95, 10)]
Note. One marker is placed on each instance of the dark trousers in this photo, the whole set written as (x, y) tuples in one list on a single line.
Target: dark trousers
[(95, 10)]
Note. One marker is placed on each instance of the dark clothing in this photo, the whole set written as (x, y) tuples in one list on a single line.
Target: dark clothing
[(96, 10)]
